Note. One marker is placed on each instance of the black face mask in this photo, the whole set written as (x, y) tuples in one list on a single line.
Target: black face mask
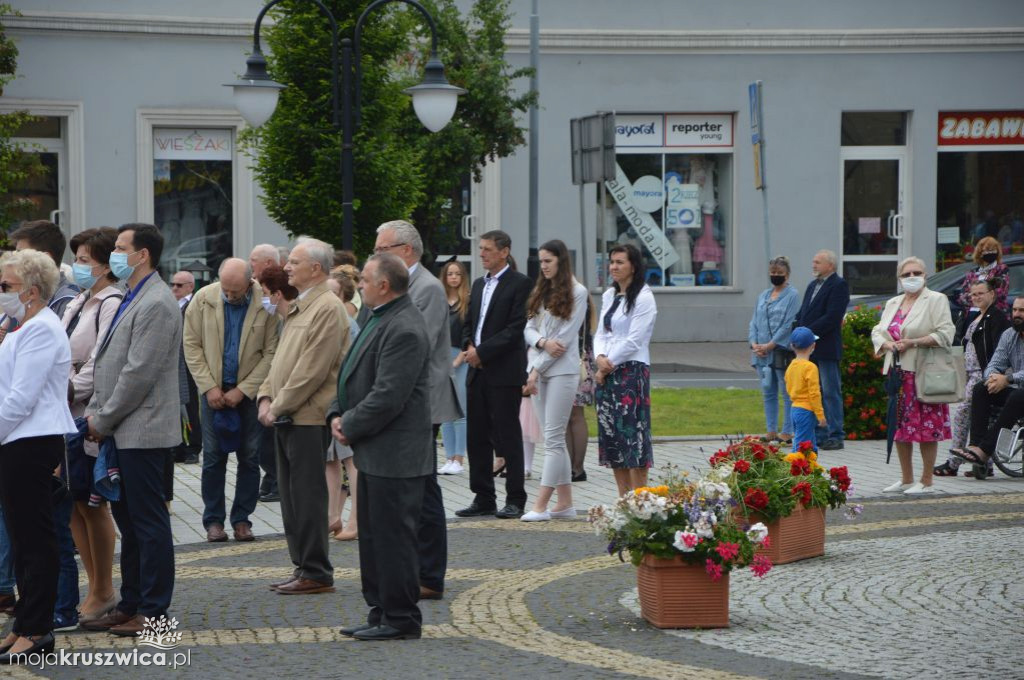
[(778, 280), (1018, 324), (989, 258)]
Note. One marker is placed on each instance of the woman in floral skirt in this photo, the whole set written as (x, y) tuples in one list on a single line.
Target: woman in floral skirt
[(622, 346)]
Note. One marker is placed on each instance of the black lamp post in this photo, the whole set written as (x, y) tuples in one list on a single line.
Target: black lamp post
[(434, 99)]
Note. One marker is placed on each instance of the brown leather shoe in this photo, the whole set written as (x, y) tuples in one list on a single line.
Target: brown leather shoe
[(305, 586), (430, 594), (275, 586), (7, 602), (243, 532), (215, 533), (114, 618), (130, 628)]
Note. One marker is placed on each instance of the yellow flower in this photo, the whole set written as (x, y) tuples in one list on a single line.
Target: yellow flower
[(794, 457)]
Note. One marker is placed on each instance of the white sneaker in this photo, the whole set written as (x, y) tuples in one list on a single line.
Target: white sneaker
[(918, 489), (444, 468), (563, 514), (454, 467), (534, 516), (898, 487)]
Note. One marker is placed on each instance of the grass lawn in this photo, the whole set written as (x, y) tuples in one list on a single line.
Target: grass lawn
[(700, 410)]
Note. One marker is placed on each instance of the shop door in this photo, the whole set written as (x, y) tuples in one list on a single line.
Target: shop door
[(872, 220)]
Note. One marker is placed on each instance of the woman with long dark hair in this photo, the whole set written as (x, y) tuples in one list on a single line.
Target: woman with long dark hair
[(555, 312), (455, 280), (622, 346)]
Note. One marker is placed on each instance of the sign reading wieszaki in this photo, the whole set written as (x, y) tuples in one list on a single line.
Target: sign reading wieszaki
[(192, 144)]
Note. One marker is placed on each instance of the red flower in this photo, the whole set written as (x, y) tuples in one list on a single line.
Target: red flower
[(756, 499), (803, 489), (713, 570), (800, 467), (761, 565), (627, 400), (728, 551), (841, 476), (760, 455), (805, 446), (741, 466), (853, 435), (767, 542)]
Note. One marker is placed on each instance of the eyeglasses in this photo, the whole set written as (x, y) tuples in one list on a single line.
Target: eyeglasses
[(6, 287), (380, 249), (907, 275), (178, 285)]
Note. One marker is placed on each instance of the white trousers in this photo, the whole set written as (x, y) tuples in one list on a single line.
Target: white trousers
[(553, 405)]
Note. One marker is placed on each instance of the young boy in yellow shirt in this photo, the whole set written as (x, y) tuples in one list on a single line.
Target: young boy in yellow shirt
[(803, 387)]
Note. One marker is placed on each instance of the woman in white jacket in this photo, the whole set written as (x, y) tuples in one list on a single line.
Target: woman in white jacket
[(555, 312)]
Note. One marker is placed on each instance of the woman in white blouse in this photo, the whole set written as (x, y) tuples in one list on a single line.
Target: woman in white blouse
[(35, 360), (624, 370), (555, 311), (86, 321)]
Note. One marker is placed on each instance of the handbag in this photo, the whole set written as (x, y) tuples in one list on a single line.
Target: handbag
[(940, 375), (782, 358)]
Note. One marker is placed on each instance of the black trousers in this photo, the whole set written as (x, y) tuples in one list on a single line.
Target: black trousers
[(433, 533), (268, 461), (982, 403), (26, 466), (147, 547), (389, 515), (303, 488), (492, 429)]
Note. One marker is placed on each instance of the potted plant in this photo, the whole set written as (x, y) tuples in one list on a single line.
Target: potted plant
[(684, 539), (788, 492)]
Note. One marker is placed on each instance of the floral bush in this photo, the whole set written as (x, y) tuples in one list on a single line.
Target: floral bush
[(768, 482), (864, 400), (692, 520)]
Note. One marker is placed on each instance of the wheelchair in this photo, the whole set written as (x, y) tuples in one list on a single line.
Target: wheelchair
[(1009, 452)]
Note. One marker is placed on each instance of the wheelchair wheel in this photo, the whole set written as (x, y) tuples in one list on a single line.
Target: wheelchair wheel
[(1012, 462)]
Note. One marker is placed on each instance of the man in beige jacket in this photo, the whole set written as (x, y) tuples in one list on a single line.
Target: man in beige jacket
[(294, 399), (229, 343)]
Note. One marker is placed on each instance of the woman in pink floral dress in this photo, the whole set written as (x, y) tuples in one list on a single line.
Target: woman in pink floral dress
[(918, 318)]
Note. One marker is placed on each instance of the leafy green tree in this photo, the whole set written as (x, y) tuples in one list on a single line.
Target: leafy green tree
[(16, 165), (401, 169)]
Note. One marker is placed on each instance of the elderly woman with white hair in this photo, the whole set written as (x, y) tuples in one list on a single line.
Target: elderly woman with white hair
[(916, 319), (35, 361)]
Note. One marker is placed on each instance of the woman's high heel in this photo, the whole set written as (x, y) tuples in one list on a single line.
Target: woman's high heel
[(500, 472), (44, 645)]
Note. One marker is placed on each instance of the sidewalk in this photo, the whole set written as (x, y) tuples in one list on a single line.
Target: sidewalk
[(865, 460), (682, 357)]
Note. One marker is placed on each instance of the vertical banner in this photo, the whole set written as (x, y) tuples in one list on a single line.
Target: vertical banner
[(647, 230)]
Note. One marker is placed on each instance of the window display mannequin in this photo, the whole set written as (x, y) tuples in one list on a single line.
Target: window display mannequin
[(707, 249)]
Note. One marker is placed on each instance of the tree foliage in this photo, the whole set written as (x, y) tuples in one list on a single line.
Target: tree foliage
[(401, 169), (16, 165)]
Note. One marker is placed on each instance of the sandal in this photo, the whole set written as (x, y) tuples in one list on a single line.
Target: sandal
[(945, 470), (968, 455)]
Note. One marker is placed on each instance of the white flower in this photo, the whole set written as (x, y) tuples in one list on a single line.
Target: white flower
[(757, 533), (704, 527), (685, 541), (713, 488)]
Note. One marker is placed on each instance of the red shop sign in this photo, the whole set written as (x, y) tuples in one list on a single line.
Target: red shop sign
[(978, 128)]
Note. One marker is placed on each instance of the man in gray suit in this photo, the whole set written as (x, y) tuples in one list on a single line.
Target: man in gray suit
[(401, 239), (135, 401), (383, 413)]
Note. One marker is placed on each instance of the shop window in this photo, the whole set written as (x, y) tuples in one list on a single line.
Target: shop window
[(192, 196), (874, 128), (40, 195), (672, 198)]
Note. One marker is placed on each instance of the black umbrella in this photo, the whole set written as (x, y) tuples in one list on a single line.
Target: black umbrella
[(893, 385)]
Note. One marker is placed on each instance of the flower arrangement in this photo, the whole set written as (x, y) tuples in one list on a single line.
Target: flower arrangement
[(864, 396), (770, 482), (692, 520)]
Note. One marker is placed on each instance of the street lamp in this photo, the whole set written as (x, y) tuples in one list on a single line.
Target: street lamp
[(434, 99)]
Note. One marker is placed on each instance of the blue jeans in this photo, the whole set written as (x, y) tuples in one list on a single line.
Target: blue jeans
[(805, 423), (247, 477), (7, 580), (67, 577), (770, 392), (453, 434), (832, 400)]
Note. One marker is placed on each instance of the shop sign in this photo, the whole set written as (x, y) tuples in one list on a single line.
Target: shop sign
[(702, 129), (647, 230), (648, 194), (981, 128), (639, 130), (192, 144), (683, 204)]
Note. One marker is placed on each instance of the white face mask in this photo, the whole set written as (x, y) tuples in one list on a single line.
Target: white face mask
[(12, 306), (912, 284), (269, 306)]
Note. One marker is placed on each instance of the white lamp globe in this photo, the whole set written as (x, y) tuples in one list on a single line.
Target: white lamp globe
[(255, 103), (434, 100)]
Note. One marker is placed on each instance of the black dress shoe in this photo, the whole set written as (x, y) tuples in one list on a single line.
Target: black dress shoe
[(270, 497), (474, 510), (510, 511), (581, 477), (43, 645), (384, 632), (350, 631), (831, 445)]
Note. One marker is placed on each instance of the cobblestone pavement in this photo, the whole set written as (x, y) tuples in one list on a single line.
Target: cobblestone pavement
[(915, 587)]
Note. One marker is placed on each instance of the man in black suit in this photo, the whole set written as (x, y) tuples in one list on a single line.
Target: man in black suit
[(385, 417), (822, 311), (496, 353)]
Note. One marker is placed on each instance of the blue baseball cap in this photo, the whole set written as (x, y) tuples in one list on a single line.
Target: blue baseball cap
[(802, 337)]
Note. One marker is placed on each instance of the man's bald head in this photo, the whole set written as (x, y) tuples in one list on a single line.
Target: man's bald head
[(235, 279), (182, 284), (262, 255)]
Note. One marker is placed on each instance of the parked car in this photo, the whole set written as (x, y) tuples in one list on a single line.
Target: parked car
[(950, 282)]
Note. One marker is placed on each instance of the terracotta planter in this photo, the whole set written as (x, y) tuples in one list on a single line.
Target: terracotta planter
[(676, 594), (797, 537)]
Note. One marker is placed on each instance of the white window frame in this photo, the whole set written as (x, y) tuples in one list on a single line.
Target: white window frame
[(241, 171)]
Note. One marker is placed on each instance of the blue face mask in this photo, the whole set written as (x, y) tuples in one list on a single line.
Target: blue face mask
[(83, 275), (119, 265)]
